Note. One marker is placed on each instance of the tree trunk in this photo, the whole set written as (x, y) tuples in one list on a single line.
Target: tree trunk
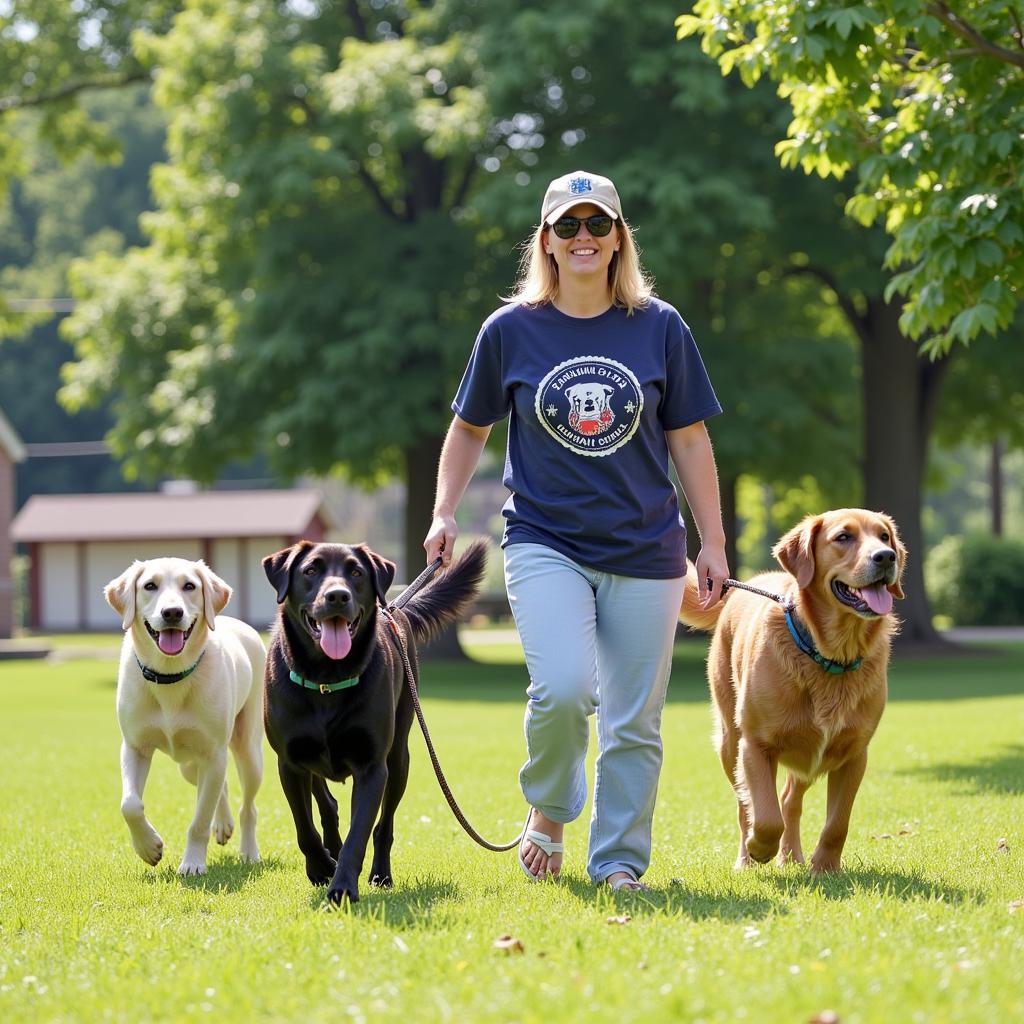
[(900, 391), (421, 461)]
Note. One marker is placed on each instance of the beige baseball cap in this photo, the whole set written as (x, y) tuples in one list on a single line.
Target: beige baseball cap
[(579, 187)]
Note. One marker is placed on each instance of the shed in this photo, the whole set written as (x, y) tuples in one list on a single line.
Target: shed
[(77, 543), (12, 451)]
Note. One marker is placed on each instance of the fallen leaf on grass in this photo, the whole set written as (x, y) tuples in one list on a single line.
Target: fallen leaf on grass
[(619, 919), (1002, 846), (1015, 905), (825, 1017), (882, 835), (509, 944)]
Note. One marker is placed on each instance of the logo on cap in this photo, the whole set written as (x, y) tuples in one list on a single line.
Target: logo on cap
[(577, 186)]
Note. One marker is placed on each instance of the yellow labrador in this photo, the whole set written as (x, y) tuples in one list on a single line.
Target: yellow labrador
[(190, 683)]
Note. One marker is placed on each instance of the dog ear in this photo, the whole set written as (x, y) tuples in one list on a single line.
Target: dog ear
[(120, 593), (278, 567), (795, 550), (216, 593), (901, 558), (382, 570)]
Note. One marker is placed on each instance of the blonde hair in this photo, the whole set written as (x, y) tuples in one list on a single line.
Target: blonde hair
[(630, 285)]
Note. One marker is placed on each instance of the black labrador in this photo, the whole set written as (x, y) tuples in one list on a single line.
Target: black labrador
[(337, 700)]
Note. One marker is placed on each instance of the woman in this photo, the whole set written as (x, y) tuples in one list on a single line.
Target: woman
[(603, 384)]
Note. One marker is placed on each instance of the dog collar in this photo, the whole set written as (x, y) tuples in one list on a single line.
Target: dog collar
[(167, 677), (806, 644), (342, 684)]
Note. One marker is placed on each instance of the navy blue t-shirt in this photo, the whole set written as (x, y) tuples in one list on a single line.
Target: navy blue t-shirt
[(589, 401)]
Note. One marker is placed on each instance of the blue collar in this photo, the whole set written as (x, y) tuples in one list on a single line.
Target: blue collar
[(167, 677), (806, 644)]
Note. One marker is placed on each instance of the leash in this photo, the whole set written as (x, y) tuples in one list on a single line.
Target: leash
[(736, 585), (417, 585)]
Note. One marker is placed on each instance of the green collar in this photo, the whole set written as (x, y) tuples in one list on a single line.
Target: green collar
[(342, 684)]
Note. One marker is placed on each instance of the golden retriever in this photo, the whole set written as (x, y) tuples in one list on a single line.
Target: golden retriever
[(190, 684), (776, 703)]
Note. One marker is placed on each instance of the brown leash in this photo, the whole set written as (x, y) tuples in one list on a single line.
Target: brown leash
[(420, 582)]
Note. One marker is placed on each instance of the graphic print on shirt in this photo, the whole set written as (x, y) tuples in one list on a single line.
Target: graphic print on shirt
[(590, 404)]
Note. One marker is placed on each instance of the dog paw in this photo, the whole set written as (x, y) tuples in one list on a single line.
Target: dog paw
[(192, 867), (760, 851), (825, 865), (338, 894), (249, 853), (382, 881), (223, 829), (148, 845), (320, 872)]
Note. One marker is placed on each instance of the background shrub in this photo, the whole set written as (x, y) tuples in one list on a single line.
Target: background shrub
[(977, 580)]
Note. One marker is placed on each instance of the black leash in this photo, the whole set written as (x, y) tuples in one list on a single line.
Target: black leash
[(736, 585), (410, 591)]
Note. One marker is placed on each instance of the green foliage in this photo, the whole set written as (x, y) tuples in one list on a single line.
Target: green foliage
[(925, 102), (57, 211), (303, 292), (977, 580)]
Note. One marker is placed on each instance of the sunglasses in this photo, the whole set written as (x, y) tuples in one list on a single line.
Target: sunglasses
[(598, 225)]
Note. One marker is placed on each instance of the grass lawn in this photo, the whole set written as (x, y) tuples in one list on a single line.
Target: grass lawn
[(920, 927)]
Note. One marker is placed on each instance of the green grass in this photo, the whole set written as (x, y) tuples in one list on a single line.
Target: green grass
[(918, 928)]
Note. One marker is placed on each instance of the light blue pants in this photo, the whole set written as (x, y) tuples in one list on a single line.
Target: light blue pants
[(594, 642)]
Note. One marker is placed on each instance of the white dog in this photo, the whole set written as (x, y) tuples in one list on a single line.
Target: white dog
[(190, 690)]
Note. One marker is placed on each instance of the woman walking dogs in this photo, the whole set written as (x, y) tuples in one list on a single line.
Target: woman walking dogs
[(603, 384)]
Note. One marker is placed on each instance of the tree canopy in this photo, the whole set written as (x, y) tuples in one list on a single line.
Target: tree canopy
[(924, 103)]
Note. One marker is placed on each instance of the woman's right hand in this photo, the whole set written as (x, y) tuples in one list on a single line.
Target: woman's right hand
[(440, 540)]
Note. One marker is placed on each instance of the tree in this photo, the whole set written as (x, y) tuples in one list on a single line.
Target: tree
[(305, 288), (924, 102), (890, 90), (56, 211)]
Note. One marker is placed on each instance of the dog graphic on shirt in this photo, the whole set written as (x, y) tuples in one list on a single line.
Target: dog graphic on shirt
[(590, 411)]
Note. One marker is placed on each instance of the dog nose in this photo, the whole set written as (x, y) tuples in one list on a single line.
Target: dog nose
[(884, 557), (338, 596), (173, 614)]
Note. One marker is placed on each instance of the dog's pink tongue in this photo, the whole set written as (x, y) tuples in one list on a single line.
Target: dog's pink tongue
[(878, 598), (171, 641), (335, 639)]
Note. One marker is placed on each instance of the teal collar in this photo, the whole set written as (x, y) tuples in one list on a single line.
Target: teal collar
[(342, 684), (806, 644)]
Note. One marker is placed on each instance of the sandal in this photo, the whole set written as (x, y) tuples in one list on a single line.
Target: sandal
[(627, 882), (542, 842)]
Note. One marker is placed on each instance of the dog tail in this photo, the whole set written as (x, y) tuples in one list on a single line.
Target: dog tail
[(443, 601), (691, 613)]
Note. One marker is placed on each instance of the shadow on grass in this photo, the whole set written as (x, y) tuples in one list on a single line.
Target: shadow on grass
[(999, 772), (853, 882), (676, 898), (407, 904), (229, 874)]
